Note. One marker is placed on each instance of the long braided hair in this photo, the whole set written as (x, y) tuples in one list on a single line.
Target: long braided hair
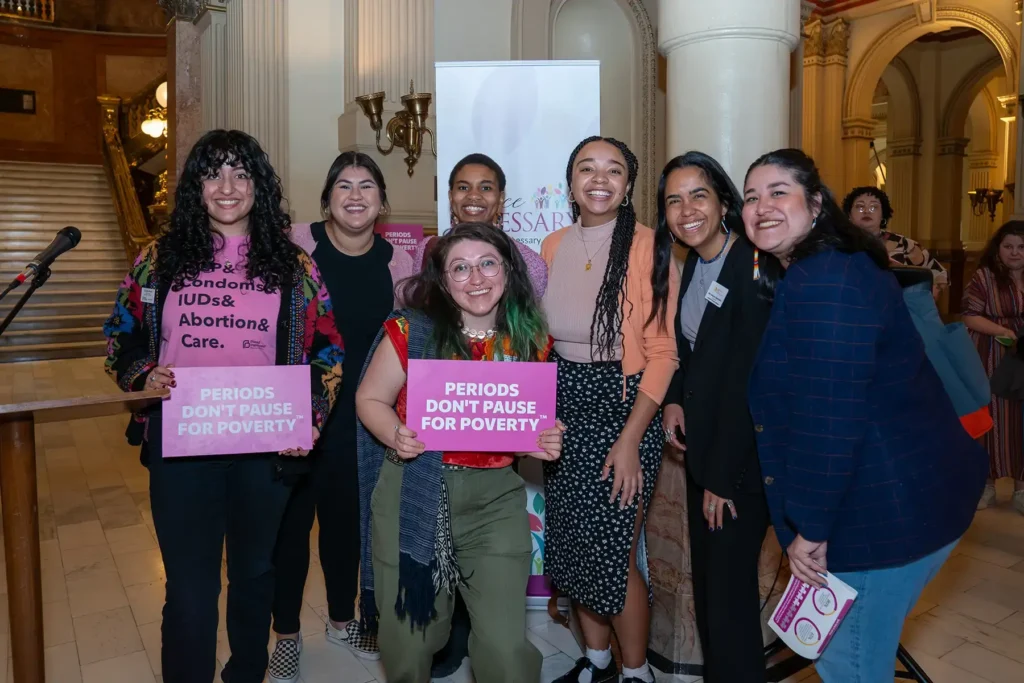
[(606, 327)]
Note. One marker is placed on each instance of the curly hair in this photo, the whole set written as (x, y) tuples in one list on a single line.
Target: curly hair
[(519, 318), (832, 228), (606, 327), (188, 248), (728, 196), (990, 256), (858, 192)]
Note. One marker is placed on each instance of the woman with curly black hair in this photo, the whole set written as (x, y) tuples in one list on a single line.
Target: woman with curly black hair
[(869, 209), (224, 287), (616, 355)]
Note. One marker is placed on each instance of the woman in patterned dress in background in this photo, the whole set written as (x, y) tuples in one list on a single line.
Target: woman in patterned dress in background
[(993, 306)]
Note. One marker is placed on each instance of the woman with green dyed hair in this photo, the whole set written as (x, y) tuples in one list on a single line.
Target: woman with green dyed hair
[(436, 523)]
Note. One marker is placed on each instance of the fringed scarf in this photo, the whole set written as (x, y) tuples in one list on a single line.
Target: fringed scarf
[(426, 561)]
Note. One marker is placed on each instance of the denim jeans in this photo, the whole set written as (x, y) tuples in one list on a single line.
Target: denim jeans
[(863, 649)]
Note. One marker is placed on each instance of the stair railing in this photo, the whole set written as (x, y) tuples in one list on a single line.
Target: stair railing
[(31, 10), (132, 223)]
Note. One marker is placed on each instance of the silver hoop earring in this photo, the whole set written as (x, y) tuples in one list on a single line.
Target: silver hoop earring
[(725, 229), (625, 201)]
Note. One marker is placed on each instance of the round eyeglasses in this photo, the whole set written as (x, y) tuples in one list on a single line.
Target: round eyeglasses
[(872, 208), (460, 272)]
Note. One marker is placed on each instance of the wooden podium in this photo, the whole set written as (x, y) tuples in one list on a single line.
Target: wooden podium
[(21, 512)]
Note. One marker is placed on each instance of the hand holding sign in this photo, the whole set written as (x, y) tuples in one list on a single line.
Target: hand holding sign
[(406, 444), (550, 443)]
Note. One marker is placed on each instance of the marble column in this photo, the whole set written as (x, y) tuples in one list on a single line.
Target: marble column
[(901, 185), (1008, 162), (256, 75), (796, 78), (389, 44), (1016, 157), (857, 136), (830, 154), (184, 91), (746, 44), (813, 87), (942, 236), (212, 29)]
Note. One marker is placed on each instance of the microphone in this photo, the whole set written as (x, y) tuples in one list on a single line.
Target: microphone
[(66, 239)]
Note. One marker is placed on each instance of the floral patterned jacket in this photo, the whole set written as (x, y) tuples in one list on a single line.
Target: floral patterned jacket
[(307, 334)]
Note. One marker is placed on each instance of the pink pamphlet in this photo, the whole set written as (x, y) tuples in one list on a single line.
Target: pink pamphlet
[(480, 407), (806, 617), (224, 411)]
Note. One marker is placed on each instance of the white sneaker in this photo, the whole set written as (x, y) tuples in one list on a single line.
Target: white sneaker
[(988, 497), (1018, 501), (361, 644), (284, 662)]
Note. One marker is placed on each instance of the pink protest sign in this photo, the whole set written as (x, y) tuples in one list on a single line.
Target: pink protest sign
[(405, 236), (223, 411), (482, 407)]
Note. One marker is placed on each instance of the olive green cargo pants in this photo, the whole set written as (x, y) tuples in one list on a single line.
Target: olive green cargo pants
[(492, 542)]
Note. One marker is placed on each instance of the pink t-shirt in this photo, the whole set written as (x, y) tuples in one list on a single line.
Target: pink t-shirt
[(221, 319)]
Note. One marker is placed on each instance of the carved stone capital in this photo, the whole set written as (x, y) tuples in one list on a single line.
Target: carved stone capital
[(806, 10), (983, 159), (953, 146), (859, 128), (907, 147), (814, 43), (1009, 103), (182, 10), (838, 40)]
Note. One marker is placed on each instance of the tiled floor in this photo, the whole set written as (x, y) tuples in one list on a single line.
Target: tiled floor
[(103, 578)]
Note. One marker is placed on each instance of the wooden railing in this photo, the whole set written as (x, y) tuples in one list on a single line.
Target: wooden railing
[(32, 10), (135, 233)]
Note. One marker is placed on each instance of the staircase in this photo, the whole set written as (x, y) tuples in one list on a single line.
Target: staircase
[(64, 319)]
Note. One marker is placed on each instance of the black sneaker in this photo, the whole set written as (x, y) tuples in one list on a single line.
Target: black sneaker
[(609, 674), (284, 663)]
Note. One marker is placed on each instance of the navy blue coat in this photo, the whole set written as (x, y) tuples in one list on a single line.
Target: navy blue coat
[(858, 440)]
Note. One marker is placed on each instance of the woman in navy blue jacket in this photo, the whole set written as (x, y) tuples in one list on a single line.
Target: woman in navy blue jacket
[(867, 470)]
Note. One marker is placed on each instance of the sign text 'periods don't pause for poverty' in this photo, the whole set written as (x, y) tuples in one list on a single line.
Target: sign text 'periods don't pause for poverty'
[(223, 411), (480, 407)]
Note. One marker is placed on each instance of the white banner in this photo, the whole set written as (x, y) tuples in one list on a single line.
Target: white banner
[(528, 117)]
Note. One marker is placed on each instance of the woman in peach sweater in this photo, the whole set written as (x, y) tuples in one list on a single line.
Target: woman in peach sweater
[(616, 356)]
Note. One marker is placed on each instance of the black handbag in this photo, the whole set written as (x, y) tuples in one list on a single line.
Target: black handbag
[(1008, 379)]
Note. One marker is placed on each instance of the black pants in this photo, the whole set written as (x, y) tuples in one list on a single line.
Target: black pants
[(197, 503), (331, 494), (725, 586)]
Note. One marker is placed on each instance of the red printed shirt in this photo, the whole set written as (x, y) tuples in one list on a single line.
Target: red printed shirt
[(398, 332)]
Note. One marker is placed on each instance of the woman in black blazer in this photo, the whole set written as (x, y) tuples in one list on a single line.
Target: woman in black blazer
[(719, 324)]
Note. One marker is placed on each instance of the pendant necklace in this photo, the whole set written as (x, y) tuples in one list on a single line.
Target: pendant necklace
[(599, 247)]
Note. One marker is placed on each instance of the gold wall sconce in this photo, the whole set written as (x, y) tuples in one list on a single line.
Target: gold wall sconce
[(983, 198), (406, 128)]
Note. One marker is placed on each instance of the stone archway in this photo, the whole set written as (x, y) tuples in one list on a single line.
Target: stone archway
[(525, 45), (857, 121), (903, 145)]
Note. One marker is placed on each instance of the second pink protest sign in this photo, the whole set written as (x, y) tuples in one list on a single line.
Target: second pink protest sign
[(223, 411), (480, 407)]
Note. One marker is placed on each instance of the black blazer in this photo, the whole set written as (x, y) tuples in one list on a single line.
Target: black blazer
[(711, 382)]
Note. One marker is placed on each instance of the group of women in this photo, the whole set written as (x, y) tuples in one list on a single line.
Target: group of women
[(781, 360)]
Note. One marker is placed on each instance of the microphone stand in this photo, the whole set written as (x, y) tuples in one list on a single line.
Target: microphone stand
[(38, 281)]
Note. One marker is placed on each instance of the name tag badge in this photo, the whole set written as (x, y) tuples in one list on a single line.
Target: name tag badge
[(716, 294), (148, 295)]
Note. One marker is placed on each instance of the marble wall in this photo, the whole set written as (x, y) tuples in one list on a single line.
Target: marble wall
[(67, 69)]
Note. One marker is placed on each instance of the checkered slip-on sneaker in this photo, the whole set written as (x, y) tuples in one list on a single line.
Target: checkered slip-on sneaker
[(361, 644), (284, 662)]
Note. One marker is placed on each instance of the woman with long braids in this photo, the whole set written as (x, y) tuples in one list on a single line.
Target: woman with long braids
[(435, 524), (616, 355), (720, 319), (227, 252)]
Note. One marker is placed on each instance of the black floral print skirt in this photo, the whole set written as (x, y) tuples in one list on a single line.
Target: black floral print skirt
[(588, 539)]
